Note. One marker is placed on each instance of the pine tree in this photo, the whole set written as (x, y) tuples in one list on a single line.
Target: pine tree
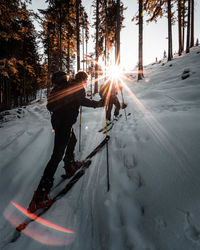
[(170, 53), (117, 43), (96, 47), (59, 34), (183, 15), (140, 40), (192, 24), (19, 52), (78, 33), (197, 42), (188, 27), (180, 50), (157, 9), (85, 36)]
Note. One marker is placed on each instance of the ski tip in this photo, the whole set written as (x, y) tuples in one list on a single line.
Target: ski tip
[(16, 236)]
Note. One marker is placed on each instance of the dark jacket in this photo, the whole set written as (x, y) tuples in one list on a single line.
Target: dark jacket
[(64, 103)]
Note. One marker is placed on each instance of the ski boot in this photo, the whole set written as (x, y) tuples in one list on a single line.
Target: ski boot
[(71, 168), (116, 113), (41, 196), (40, 200)]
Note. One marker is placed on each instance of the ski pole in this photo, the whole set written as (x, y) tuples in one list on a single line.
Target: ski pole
[(80, 129), (107, 159), (123, 102)]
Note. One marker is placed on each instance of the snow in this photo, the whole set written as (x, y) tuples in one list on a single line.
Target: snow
[(153, 202)]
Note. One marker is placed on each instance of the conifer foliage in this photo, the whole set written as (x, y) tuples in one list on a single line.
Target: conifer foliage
[(108, 24), (20, 70), (65, 34)]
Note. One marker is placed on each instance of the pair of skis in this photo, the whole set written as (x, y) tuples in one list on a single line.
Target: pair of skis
[(68, 186), (110, 124)]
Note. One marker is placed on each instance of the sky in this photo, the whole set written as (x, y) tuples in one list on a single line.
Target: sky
[(155, 34)]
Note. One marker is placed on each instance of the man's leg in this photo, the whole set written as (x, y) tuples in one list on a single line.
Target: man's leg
[(117, 106), (61, 139), (69, 153), (108, 112), (71, 166), (62, 136), (40, 197)]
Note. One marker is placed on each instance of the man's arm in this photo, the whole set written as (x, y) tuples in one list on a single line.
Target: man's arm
[(91, 103)]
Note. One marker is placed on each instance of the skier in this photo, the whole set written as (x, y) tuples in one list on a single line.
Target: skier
[(108, 92), (64, 103)]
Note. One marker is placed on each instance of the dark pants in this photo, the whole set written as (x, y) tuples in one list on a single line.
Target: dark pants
[(113, 100), (64, 143)]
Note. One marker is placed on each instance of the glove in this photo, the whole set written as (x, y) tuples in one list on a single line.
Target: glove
[(124, 105), (101, 103)]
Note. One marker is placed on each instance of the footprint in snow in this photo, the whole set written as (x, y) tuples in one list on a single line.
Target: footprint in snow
[(136, 178), (160, 223), (192, 232), (137, 137), (186, 108), (141, 139), (129, 161), (174, 109), (119, 144), (185, 74)]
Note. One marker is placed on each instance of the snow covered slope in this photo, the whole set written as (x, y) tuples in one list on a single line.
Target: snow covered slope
[(153, 203)]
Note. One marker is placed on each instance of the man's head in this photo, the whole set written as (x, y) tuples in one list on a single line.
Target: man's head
[(59, 78), (81, 76)]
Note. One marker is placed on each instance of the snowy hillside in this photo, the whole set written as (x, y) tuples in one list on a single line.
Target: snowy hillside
[(153, 203)]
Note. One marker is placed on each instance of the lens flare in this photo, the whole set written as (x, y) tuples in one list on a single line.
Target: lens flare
[(114, 72), (44, 232), (40, 220), (40, 234)]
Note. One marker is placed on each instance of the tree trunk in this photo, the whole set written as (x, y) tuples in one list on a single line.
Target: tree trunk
[(97, 48), (170, 55), (106, 36), (140, 54), (68, 55), (60, 38), (78, 34), (192, 24), (117, 58), (188, 28), (48, 60), (83, 48), (180, 49), (183, 22), (86, 51)]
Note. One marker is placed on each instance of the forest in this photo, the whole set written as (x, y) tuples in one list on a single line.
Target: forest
[(65, 32)]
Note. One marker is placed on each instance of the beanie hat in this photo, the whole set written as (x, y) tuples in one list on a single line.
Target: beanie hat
[(81, 76)]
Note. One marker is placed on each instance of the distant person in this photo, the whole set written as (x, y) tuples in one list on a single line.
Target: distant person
[(63, 103), (108, 92)]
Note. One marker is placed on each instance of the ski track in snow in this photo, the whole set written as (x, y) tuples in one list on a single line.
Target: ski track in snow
[(154, 158)]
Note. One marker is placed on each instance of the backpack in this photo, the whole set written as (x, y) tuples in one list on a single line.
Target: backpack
[(103, 91), (56, 97)]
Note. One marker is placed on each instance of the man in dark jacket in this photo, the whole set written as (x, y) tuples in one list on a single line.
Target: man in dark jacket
[(63, 103)]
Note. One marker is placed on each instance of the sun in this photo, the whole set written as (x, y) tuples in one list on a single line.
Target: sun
[(114, 72)]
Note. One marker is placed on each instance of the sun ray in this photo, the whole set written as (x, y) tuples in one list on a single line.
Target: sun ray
[(161, 135)]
